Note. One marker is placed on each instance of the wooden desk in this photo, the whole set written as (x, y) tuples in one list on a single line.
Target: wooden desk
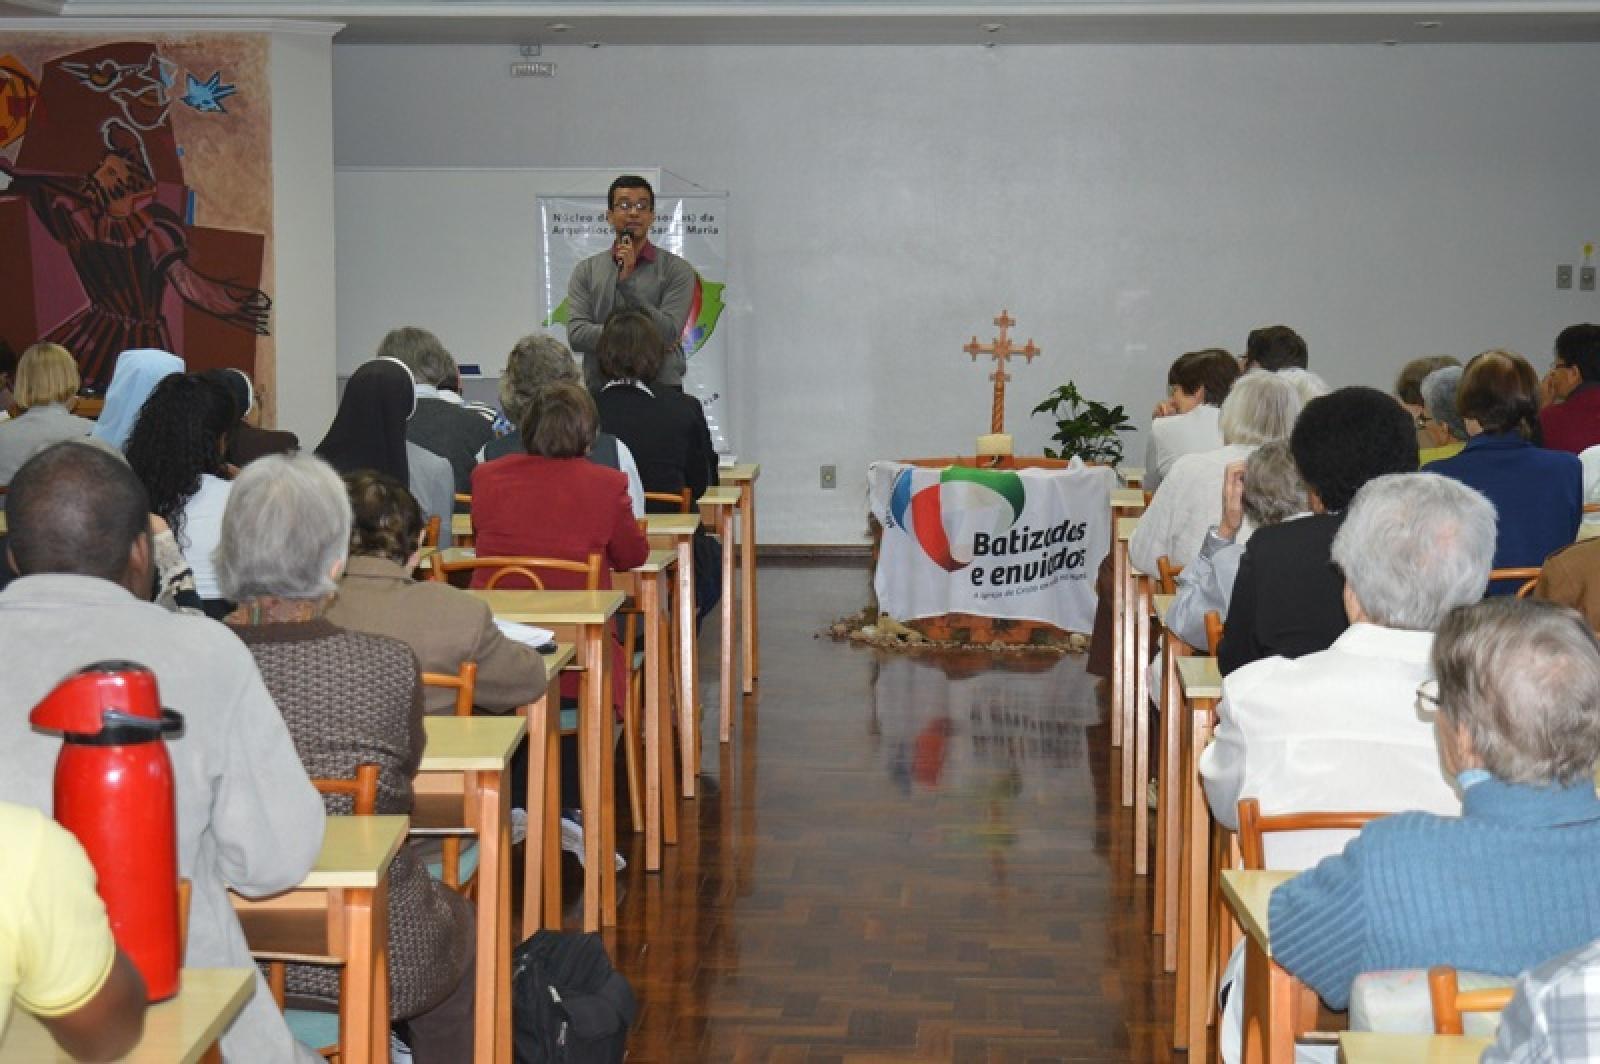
[(541, 880), (461, 529), (722, 502), (588, 615), (1127, 501), (180, 1030), (1370, 1047), (1166, 883), (341, 909), (1201, 685), (467, 760), (744, 477), (1132, 476), (678, 530), (1270, 992), (1121, 635), (648, 585)]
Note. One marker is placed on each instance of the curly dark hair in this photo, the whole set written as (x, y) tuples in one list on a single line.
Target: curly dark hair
[(1345, 438), (181, 433), (387, 520)]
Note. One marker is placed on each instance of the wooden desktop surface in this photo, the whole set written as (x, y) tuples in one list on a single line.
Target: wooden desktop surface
[(1371, 1047), (1199, 677), (471, 744), (1249, 894), (544, 608), (356, 850)]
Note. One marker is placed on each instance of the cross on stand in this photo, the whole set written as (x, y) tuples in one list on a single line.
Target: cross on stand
[(1001, 349)]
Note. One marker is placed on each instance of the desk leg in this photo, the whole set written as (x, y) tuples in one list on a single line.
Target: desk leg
[(608, 799), (654, 769), (487, 813), (1196, 910), (1141, 734), (543, 850), (356, 919), (1130, 666), (747, 599), (725, 530), (596, 703), (1268, 1009), (1119, 638), (688, 676), (1169, 816)]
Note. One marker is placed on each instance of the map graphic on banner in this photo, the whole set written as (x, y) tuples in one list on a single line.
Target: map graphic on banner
[(1022, 544), (691, 227)]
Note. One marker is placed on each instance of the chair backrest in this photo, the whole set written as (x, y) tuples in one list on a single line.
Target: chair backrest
[(430, 532), (1529, 574), (683, 500), (1253, 825), (464, 683), (362, 789), (1213, 621), (1450, 1001), (525, 567), (1167, 573), (463, 498)]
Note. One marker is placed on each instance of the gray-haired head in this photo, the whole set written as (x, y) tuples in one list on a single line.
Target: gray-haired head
[(1273, 490), (422, 354), (1522, 678), (286, 527), (1439, 399), (1307, 385), (536, 361), (1414, 546), (1260, 407)]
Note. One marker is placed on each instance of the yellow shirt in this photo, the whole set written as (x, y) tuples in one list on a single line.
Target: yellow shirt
[(1433, 454), (56, 948)]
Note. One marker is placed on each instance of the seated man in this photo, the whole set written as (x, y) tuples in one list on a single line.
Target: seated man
[(443, 625), (1571, 577), (57, 957), (248, 818), (1287, 598), (440, 422), (1512, 881), (1553, 1015)]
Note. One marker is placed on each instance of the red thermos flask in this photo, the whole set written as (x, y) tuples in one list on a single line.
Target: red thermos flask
[(113, 790)]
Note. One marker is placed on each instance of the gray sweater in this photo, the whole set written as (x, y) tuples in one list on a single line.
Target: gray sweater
[(663, 289)]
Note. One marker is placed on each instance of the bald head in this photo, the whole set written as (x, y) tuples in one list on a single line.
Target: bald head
[(76, 508)]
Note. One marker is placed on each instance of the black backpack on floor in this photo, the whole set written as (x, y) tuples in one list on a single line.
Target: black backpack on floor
[(569, 1005)]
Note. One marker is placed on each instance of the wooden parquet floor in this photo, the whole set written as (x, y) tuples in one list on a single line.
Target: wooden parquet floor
[(901, 859)]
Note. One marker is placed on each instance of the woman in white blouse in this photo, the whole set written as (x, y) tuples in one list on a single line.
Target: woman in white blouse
[(1185, 422)]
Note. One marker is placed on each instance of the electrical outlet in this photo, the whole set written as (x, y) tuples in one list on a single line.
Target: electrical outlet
[(1564, 277), (830, 477), (1586, 279)]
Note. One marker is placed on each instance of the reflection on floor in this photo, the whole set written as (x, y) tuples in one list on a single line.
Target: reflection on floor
[(907, 858)]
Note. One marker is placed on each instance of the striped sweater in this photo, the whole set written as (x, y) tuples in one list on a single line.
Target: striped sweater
[(1511, 882)]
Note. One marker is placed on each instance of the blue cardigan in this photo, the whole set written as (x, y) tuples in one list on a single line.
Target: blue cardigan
[(1513, 881), (1537, 496)]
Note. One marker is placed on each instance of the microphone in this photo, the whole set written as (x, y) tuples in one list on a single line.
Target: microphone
[(625, 239)]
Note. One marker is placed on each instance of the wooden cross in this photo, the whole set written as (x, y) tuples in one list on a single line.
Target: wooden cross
[(1001, 350)]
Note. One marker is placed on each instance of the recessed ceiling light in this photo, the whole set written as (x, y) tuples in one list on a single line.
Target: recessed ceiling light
[(991, 27), (559, 27), (1429, 24)]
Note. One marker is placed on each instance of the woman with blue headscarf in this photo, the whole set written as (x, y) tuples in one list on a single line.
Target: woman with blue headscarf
[(137, 373)]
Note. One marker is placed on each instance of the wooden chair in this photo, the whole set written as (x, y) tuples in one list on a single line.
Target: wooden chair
[(362, 789), (1213, 621), (1253, 825), (464, 499), (465, 684), (1167, 574), (525, 567), (1530, 574), (683, 500), (1450, 1001), (430, 532)]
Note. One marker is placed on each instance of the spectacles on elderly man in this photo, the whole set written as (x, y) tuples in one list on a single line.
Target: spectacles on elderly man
[(1428, 697)]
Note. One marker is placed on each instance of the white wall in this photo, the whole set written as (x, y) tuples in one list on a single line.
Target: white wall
[(1127, 203), (301, 70)]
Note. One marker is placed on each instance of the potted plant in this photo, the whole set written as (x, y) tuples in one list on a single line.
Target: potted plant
[(1084, 427)]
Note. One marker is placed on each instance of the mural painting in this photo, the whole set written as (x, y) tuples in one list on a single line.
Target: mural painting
[(135, 199)]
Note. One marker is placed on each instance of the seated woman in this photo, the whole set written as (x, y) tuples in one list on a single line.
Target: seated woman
[(136, 375), (1408, 389), (248, 440), (1515, 879), (178, 449), (1185, 422), (369, 432), (46, 390), (538, 360), (1538, 494), (442, 625), (1444, 430), (1264, 489), (1261, 406), (347, 698)]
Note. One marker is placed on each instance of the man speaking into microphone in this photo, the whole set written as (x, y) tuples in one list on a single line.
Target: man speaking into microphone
[(633, 274)]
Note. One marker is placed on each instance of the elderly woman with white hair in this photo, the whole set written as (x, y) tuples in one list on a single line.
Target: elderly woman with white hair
[(1513, 880), (1260, 407), (347, 698), (1443, 424), (1337, 729)]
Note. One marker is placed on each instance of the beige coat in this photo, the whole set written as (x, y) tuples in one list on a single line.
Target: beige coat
[(1571, 577), (444, 627)]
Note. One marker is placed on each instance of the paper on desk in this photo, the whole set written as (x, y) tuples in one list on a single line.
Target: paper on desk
[(525, 633)]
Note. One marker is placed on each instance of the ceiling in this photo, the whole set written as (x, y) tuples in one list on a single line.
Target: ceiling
[(895, 22)]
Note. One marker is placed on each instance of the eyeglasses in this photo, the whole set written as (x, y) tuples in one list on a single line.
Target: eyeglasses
[(1428, 697), (642, 206)]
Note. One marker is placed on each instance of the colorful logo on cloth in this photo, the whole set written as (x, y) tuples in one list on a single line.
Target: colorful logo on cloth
[(18, 92), (943, 518), (705, 310)]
